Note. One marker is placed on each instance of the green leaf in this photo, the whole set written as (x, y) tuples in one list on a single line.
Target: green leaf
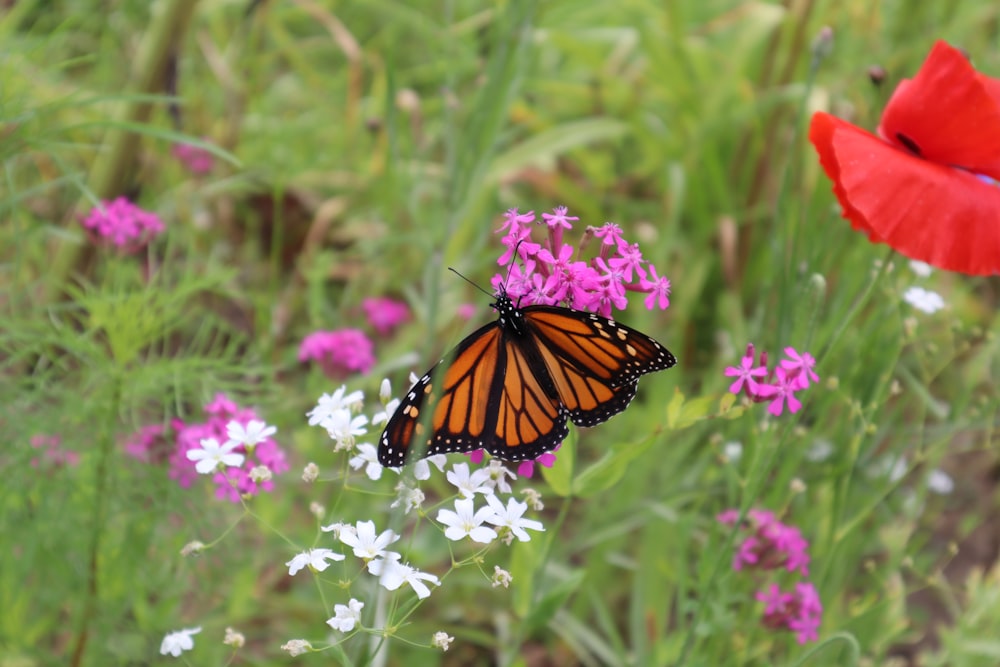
[(560, 475), (551, 601)]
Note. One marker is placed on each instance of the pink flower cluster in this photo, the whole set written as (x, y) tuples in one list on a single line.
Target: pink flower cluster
[(235, 481), (195, 159), (123, 224), (548, 274), (771, 545), (778, 385), (340, 352), (52, 452)]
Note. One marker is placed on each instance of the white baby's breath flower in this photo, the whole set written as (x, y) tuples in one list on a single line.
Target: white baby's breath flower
[(176, 643), (422, 468), (498, 474), (337, 528), (510, 517), (441, 640), (195, 547), (533, 498), (317, 510), (922, 269), (251, 435), (409, 497), (465, 521), (346, 616), (732, 450), (501, 577), (367, 456), (315, 559), (296, 647), (212, 455), (392, 574), (310, 473), (328, 404), (922, 299), (940, 482), (260, 474), (234, 638), (365, 542), (469, 484)]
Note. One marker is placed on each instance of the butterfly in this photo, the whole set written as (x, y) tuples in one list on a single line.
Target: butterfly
[(510, 387)]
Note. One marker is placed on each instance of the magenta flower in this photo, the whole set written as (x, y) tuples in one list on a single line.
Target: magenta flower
[(52, 451), (123, 224), (195, 159), (799, 611), (778, 385), (385, 314), (235, 481), (339, 353), (144, 444), (546, 273), (770, 544)]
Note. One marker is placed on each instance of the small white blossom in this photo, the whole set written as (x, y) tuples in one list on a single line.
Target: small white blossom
[(499, 473), (469, 484), (328, 404), (501, 577), (441, 640), (343, 428), (732, 450), (409, 497), (465, 521), (212, 455), (819, 451), (194, 547), (922, 299), (940, 482), (296, 647), (314, 558), (534, 499), (346, 616), (310, 473), (367, 456), (176, 643), (254, 433), (392, 574), (234, 638), (922, 269), (511, 517), (337, 528), (422, 468), (317, 510), (260, 474), (364, 541)]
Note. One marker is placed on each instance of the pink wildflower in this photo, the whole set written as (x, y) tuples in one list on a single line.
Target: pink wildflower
[(770, 544), (53, 454), (385, 314), (339, 352), (799, 611), (123, 224), (546, 273), (195, 159), (778, 385), (145, 443)]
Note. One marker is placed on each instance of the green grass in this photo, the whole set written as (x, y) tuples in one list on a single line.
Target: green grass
[(362, 149)]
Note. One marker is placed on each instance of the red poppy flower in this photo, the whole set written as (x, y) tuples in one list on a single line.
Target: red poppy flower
[(927, 185)]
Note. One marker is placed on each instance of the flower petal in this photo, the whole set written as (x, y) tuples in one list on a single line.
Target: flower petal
[(935, 213), (948, 113)]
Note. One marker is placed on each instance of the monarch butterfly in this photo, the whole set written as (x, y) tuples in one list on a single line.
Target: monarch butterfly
[(511, 385)]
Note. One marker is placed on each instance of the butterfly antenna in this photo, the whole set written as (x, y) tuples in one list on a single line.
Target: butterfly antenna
[(453, 270)]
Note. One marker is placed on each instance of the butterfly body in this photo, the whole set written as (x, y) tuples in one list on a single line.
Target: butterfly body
[(511, 386)]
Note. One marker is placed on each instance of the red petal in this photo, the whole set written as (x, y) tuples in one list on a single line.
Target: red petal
[(944, 216), (949, 112)]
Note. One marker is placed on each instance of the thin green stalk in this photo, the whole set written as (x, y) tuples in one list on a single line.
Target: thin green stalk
[(102, 492)]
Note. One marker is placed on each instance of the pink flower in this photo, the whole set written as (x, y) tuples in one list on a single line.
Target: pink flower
[(770, 544), (123, 224), (800, 367), (197, 160), (235, 481), (547, 273), (548, 459), (745, 373), (799, 611), (52, 452), (784, 392), (144, 443), (385, 314), (339, 352), (777, 386)]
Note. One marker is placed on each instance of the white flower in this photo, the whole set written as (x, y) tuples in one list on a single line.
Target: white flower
[(441, 640), (337, 528), (310, 473), (260, 474), (499, 473), (922, 299), (392, 574), (328, 404), (940, 482), (314, 558), (317, 510), (922, 269), (466, 522), (212, 454), (422, 468), (252, 435), (194, 547), (234, 638), (176, 643), (408, 496), (343, 428), (346, 615), (296, 647), (469, 485), (364, 542), (501, 577), (510, 517), (819, 451), (367, 456), (732, 450), (534, 499)]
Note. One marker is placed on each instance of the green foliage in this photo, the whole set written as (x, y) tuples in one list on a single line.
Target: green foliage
[(360, 150)]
